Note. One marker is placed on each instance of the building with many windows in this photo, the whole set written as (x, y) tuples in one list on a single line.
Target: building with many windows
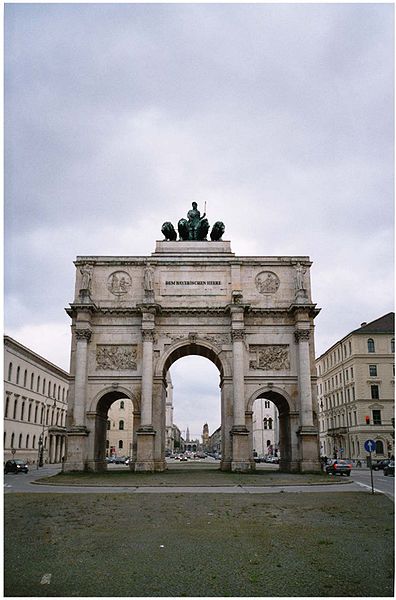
[(119, 438), (35, 405), (265, 421), (356, 378)]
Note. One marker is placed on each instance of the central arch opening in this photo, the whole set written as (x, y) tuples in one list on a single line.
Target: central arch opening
[(194, 375), (194, 409)]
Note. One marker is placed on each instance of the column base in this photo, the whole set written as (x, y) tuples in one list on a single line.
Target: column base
[(309, 449), (76, 459), (145, 462), (241, 461)]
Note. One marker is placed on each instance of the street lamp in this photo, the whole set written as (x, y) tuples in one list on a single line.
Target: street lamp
[(40, 461)]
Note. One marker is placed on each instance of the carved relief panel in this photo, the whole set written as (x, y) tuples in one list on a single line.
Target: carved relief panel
[(116, 358), (269, 357)]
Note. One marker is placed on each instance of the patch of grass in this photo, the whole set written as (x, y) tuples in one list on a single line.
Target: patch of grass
[(129, 545), (189, 475)]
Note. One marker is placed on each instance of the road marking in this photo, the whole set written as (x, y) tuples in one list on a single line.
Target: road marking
[(368, 487), (46, 579)]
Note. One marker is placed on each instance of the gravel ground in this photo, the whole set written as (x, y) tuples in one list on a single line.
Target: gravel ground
[(186, 545)]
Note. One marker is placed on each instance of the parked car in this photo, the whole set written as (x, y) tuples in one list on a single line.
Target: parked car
[(16, 465), (120, 460), (339, 467), (389, 469), (380, 464)]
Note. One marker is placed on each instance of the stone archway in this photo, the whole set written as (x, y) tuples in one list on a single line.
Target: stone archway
[(288, 426), (194, 346), (251, 316)]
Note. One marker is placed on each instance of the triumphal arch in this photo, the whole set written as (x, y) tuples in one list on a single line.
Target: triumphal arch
[(134, 316)]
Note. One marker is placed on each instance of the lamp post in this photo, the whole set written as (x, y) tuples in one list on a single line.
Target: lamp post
[(40, 461)]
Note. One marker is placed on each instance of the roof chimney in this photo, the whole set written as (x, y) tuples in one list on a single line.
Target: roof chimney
[(363, 324)]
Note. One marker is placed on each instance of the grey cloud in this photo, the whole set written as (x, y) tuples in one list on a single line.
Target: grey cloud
[(280, 116)]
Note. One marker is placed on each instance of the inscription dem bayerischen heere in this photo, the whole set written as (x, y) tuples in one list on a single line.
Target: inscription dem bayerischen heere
[(176, 283)]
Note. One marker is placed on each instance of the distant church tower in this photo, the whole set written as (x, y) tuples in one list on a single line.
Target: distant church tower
[(187, 435), (205, 437)]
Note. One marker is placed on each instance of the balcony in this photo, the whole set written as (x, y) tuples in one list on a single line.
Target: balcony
[(337, 431)]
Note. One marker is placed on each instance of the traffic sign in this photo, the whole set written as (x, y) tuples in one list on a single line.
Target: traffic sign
[(341, 450), (369, 445)]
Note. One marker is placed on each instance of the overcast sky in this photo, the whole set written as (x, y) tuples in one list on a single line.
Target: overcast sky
[(118, 116)]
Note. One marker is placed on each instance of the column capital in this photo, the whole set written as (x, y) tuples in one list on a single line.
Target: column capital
[(84, 334), (148, 335), (302, 335), (237, 334)]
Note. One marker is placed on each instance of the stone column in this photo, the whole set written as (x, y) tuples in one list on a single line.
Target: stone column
[(304, 377), (145, 460), (241, 459), (238, 381), (147, 379), (76, 458), (83, 337), (309, 446)]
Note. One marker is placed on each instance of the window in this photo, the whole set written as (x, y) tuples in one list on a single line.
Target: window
[(43, 390), (25, 378), (31, 381), (376, 417), (35, 413), (350, 347), (107, 444), (17, 375), (54, 391), (270, 423), (373, 370), (27, 441), (34, 442), (370, 345), (22, 411), (49, 389), (29, 412), (120, 444), (20, 441), (353, 393), (265, 423), (374, 392), (12, 440), (379, 447), (122, 404), (63, 394), (355, 416), (108, 425), (392, 344), (267, 404), (15, 408), (121, 425), (9, 371), (6, 406), (38, 384), (351, 372)]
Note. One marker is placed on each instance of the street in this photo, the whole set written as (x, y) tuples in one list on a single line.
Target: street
[(382, 483), (358, 482)]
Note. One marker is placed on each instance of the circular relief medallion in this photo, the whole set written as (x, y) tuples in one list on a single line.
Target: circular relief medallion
[(267, 282), (119, 283)]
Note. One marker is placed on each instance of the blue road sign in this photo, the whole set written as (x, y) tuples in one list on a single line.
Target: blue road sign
[(369, 445)]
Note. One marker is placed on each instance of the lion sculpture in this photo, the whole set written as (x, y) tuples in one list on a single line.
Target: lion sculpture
[(169, 231), (217, 231)]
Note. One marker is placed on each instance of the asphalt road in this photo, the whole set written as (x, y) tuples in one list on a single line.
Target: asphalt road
[(382, 483), (359, 482)]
